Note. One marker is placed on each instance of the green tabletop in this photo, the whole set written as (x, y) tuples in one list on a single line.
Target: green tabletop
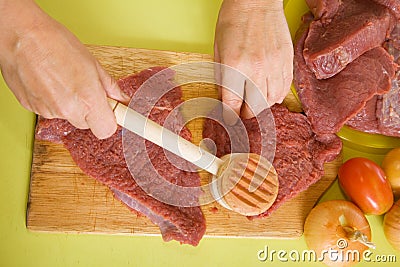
[(179, 25)]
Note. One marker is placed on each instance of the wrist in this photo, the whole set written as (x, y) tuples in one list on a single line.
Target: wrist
[(275, 4)]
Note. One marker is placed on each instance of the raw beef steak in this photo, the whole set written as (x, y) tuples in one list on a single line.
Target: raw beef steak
[(324, 10), (104, 160), (358, 26), (370, 120), (392, 5), (388, 110), (365, 120), (299, 153), (327, 9), (330, 103), (381, 114)]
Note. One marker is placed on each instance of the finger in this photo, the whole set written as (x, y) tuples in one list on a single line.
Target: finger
[(78, 121), (100, 118), (73, 110), (43, 109), (47, 115), (247, 112), (275, 88), (232, 82), (73, 113), (287, 82), (255, 97), (111, 87)]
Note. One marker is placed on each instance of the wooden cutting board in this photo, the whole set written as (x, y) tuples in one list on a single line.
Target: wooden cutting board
[(63, 199)]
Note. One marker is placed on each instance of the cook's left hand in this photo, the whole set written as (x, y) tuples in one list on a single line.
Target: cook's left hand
[(252, 36)]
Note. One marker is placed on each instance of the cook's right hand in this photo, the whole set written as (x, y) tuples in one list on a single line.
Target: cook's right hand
[(51, 72)]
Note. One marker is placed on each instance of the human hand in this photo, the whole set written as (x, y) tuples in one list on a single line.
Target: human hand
[(252, 36), (51, 73)]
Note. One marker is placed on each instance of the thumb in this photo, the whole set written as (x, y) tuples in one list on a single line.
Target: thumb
[(101, 120)]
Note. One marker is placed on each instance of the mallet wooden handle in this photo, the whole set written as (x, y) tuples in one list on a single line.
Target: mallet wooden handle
[(155, 133), (236, 172)]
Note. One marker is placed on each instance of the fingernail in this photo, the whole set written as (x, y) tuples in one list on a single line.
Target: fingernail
[(126, 98), (107, 133), (125, 95)]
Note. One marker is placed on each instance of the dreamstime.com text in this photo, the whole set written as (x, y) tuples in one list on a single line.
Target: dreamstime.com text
[(335, 255)]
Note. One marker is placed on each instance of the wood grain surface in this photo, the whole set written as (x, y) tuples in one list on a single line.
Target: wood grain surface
[(63, 199)]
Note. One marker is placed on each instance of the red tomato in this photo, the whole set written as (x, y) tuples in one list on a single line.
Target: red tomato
[(365, 183)]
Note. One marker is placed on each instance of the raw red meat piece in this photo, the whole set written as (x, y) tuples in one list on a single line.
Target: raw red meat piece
[(327, 9), (53, 130), (388, 110), (330, 103), (299, 153), (381, 114), (365, 120), (358, 26), (324, 9), (104, 160), (392, 5)]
